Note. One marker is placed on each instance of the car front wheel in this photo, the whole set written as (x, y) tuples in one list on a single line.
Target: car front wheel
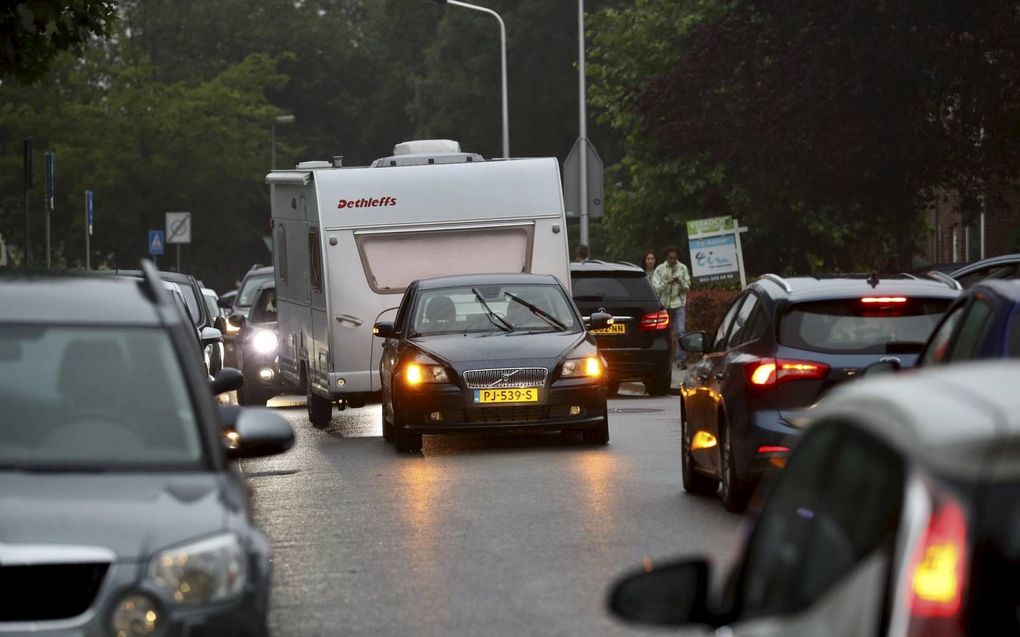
[(320, 410), (735, 493)]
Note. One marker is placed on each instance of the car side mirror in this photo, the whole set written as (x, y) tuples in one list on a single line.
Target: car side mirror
[(887, 365), (384, 329), (260, 432), (237, 319), (694, 342), (211, 336), (227, 379), (600, 320), (674, 594)]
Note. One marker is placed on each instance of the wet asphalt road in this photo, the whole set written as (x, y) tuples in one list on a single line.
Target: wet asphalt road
[(474, 536)]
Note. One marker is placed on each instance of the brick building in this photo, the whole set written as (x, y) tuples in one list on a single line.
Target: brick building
[(955, 235)]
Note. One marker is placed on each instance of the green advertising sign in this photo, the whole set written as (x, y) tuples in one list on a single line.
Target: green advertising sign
[(708, 226)]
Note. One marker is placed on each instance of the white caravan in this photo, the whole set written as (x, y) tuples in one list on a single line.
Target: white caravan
[(348, 241)]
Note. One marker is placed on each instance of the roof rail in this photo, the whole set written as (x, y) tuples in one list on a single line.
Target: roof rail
[(942, 277), (628, 263), (152, 284), (778, 280)]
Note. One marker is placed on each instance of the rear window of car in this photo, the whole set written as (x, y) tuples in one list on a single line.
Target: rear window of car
[(868, 325), (611, 286)]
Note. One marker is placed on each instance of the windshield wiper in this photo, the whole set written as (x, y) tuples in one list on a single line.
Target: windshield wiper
[(537, 311), (493, 317)]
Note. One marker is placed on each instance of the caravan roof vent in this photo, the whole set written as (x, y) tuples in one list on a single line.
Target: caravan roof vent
[(313, 164), (427, 146)]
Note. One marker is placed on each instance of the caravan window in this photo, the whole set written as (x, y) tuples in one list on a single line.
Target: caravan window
[(315, 255), (393, 260), (281, 252)]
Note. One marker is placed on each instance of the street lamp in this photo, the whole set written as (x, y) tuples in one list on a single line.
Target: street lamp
[(281, 119), (502, 45)]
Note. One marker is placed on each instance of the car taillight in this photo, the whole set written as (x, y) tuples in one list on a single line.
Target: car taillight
[(772, 371), (884, 300), (938, 572), (654, 321)]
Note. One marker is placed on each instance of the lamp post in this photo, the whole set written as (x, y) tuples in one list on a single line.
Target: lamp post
[(282, 119), (582, 124), (502, 45)]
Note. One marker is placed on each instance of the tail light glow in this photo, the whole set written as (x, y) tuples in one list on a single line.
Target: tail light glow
[(774, 371), (654, 321), (773, 449), (884, 299), (939, 567)]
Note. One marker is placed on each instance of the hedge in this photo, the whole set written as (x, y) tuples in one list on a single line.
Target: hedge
[(705, 308)]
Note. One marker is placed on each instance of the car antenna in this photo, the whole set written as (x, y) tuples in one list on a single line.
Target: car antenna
[(873, 280), (153, 284)]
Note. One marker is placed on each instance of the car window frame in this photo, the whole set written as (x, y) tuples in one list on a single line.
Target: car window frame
[(727, 322), (954, 311), (742, 335), (955, 341)]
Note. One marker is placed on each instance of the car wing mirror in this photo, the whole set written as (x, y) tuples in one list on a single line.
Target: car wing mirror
[(384, 329), (694, 342), (260, 432), (211, 336), (227, 379), (674, 594), (600, 320)]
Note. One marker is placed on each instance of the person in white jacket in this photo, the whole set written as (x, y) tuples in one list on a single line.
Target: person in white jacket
[(671, 281)]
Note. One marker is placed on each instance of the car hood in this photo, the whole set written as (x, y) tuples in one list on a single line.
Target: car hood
[(499, 349), (132, 514)]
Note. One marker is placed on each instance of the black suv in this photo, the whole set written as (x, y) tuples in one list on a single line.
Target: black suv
[(636, 346), (780, 347), (122, 511)]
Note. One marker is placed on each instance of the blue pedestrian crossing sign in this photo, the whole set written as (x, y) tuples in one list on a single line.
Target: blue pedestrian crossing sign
[(157, 242)]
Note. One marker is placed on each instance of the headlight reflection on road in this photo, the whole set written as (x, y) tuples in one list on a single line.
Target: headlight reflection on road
[(596, 469)]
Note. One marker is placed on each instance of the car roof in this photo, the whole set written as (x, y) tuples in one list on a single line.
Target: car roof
[(604, 266), (209, 292), (810, 288), (1006, 288), (485, 279), (75, 300), (176, 277), (261, 270), (977, 265), (954, 418)]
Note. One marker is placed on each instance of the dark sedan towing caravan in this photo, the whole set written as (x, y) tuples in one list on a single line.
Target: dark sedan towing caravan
[(120, 513), (490, 352)]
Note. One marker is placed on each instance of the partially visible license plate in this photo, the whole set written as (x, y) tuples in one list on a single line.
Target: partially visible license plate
[(522, 395), (615, 328)]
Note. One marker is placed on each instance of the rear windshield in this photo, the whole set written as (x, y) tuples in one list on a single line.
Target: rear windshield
[(611, 286), (251, 285), (873, 325)]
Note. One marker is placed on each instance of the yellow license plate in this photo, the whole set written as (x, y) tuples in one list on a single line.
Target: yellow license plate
[(615, 328), (523, 395)]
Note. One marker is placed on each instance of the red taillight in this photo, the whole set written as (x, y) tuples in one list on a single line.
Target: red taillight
[(884, 299), (773, 449), (654, 321), (772, 371), (938, 573)]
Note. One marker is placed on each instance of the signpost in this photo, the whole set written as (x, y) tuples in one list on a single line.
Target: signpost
[(178, 231), (88, 229), (27, 147), (593, 183), (716, 253), (48, 206)]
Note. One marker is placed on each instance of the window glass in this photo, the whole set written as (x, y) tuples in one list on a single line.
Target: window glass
[(814, 530), (611, 286), (194, 311), (1013, 347), (265, 307), (90, 396), (280, 237), (972, 329), (743, 324), (938, 346), (210, 305), (315, 260), (853, 325), (1005, 271), (458, 310), (720, 335), (392, 261), (250, 288)]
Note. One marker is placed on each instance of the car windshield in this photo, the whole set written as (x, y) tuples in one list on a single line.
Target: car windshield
[(459, 310), (250, 287), (94, 398), (864, 325)]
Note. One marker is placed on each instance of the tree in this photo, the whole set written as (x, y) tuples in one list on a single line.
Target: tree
[(35, 32)]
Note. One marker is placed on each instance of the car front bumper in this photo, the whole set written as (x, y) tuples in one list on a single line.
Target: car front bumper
[(448, 409)]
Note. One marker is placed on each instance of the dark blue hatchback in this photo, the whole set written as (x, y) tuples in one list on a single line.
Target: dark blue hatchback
[(983, 323)]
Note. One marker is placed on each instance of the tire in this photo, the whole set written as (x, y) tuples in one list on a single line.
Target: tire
[(598, 435), (405, 441), (694, 482), (320, 410), (250, 398), (658, 386), (613, 387), (387, 427), (735, 493)]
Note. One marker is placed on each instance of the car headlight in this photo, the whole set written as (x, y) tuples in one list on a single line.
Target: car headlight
[(265, 342), (589, 367), (418, 373), (205, 571)]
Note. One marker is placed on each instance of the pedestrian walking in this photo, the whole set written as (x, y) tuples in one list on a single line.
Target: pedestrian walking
[(671, 281), (649, 262)]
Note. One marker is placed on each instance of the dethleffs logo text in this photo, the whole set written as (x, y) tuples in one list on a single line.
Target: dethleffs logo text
[(365, 202)]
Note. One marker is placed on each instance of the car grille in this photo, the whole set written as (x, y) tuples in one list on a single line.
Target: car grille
[(48, 591), (508, 414), (507, 377)]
